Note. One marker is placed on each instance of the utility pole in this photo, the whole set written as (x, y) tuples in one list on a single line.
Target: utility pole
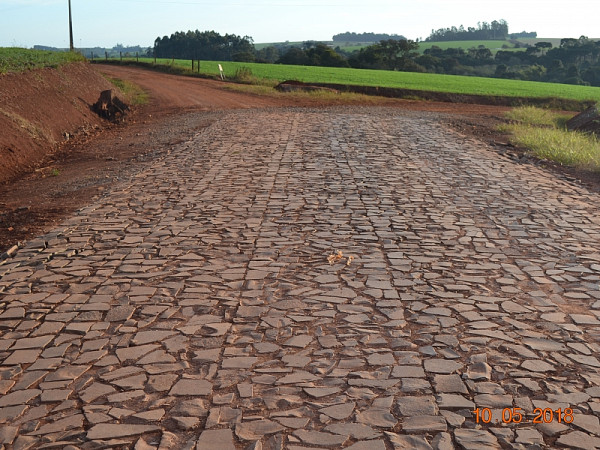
[(71, 47)]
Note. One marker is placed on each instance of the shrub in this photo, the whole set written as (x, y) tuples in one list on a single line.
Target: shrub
[(243, 75)]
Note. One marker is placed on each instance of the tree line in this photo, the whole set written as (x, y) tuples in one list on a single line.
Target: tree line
[(497, 30)]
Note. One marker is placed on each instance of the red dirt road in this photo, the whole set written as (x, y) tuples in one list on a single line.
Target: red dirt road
[(184, 93)]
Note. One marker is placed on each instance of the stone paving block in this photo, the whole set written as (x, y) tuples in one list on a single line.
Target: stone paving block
[(65, 424), (402, 442), (578, 440), (354, 430), (473, 439), (120, 313), (254, 430), (216, 440), (111, 431), (378, 444), (19, 397), (424, 424), (22, 357), (94, 391), (190, 387), (8, 434), (320, 438)]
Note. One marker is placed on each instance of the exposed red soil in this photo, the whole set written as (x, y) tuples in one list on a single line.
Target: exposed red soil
[(43, 108), (99, 153)]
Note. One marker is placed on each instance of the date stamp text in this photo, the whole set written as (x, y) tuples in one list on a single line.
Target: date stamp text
[(517, 415)]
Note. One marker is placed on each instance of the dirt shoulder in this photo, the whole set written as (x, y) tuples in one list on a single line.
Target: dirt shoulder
[(92, 162)]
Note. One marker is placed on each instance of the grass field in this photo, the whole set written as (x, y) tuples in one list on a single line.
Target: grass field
[(405, 80), (19, 59)]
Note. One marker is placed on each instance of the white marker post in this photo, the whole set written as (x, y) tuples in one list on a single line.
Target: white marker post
[(221, 72)]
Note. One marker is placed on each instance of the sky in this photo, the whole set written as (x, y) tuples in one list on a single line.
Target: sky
[(25, 23)]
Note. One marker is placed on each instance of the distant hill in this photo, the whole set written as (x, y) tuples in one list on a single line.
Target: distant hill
[(366, 37)]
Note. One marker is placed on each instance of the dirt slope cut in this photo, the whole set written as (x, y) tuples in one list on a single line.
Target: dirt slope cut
[(40, 109)]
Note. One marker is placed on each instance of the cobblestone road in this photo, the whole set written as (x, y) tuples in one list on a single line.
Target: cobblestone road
[(196, 307)]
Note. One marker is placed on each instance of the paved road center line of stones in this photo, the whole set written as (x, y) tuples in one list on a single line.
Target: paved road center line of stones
[(196, 308)]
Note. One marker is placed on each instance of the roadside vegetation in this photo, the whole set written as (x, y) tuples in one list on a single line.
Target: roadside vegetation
[(545, 135), (20, 59), (134, 93)]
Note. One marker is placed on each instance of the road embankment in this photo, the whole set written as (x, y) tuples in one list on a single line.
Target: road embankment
[(41, 109)]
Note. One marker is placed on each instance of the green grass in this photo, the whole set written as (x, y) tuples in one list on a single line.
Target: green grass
[(136, 95), (405, 80), (543, 133), (19, 59)]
